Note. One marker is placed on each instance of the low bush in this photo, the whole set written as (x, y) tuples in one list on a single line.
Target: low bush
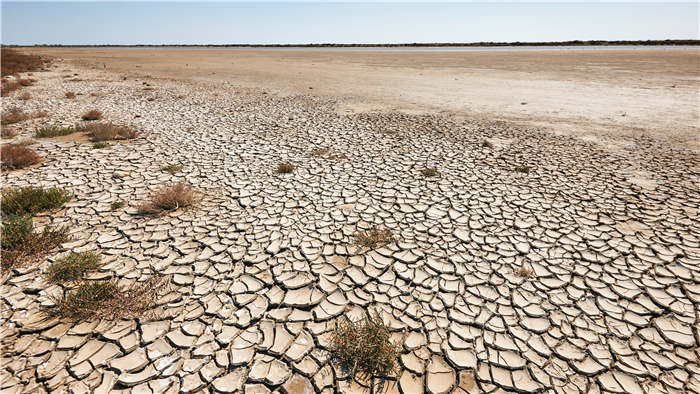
[(15, 62), (25, 96), (70, 95), (429, 172), (99, 145), (55, 131), (92, 114), (73, 267), (111, 131), (14, 115), (20, 244), (172, 169), (364, 348), (117, 205), (169, 198), (17, 156), (285, 168), (32, 200), (523, 169), (374, 238)]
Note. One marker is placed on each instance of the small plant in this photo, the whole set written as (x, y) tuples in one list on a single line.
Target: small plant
[(285, 168), (99, 145), (523, 169), (374, 238), (104, 300), (72, 267), (55, 131), (31, 200), (93, 114), (25, 96), (429, 172), (364, 348), (111, 131), (320, 152), (524, 272), (14, 115), (486, 144), (16, 156), (70, 95), (20, 244), (8, 132), (117, 205), (169, 198), (172, 169)]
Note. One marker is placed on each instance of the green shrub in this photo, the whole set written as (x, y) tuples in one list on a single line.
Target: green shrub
[(31, 200), (99, 145), (72, 267), (54, 131), (20, 244)]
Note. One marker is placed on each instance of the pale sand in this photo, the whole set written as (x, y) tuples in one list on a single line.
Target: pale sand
[(599, 95)]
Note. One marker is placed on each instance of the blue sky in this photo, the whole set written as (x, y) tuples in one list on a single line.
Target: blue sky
[(162, 22)]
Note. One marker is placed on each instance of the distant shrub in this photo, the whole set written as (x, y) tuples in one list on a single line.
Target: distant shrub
[(15, 62), (72, 267), (92, 114), (169, 198), (285, 168), (31, 200), (17, 156), (14, 115), (70, 95), (55, 131), (374, 237), (111, 131), (20, 244), (99, 145)]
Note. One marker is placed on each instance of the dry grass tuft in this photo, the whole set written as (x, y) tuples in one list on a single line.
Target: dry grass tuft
[(21, 245), (111, 131), (285, 168), (374, 238), (523, 169), (428, 172), (25, 96), (486, 144), (14, 115), (172, 169), (117, 205), (92, 114), (104, 300), (31, 200), (320, 152), (16, 156), (55, 131), (364, 348), (72, 267), (8, 132), (70, 95), (524, 272), (99, 145), (169, 198)]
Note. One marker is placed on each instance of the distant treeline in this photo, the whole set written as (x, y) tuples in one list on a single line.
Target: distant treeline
[(414, 44)]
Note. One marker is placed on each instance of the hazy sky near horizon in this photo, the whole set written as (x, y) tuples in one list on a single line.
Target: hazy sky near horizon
[(164, 22)]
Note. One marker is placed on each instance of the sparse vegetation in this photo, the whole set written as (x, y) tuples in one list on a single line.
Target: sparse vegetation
[(172, 169), (73, 267), (92, 114), (104, 300), (15, 62), (111, 131), (486, 144), (117, 205), (524, 272), (430, 172), (55, 131), (99, 145), (8, 132), (523, 169), (16, 156), (70, 95), (31, 200), (374, 238), (169, 198), (25, 96), (320, 152), (285, 168), (364, 348), (20, 244)]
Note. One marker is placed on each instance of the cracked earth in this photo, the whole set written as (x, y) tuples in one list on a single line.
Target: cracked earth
[(581, 276)]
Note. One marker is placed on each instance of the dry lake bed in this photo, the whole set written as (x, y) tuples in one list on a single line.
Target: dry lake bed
[(543, 207)]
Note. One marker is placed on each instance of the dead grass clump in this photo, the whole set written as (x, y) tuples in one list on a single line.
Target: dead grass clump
[(92, 114), (320, 152), (8, 86), (104, 300), (31, 200), (364, 348), (117, 205), (14, 62), (374, 237), (93, 94), (55, 131), (524, 272), (72, 267), (21, 245), (428, 172), (8, 132), (70, 95), (16, 156), (14, 115), (169, 198), (111, 131), (486, 144), (523, 169), (40, 114), (99, 145), (172, 169), (285, 168), (25, 96)]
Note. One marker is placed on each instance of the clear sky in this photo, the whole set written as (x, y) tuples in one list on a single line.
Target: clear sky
[(161, 22)]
